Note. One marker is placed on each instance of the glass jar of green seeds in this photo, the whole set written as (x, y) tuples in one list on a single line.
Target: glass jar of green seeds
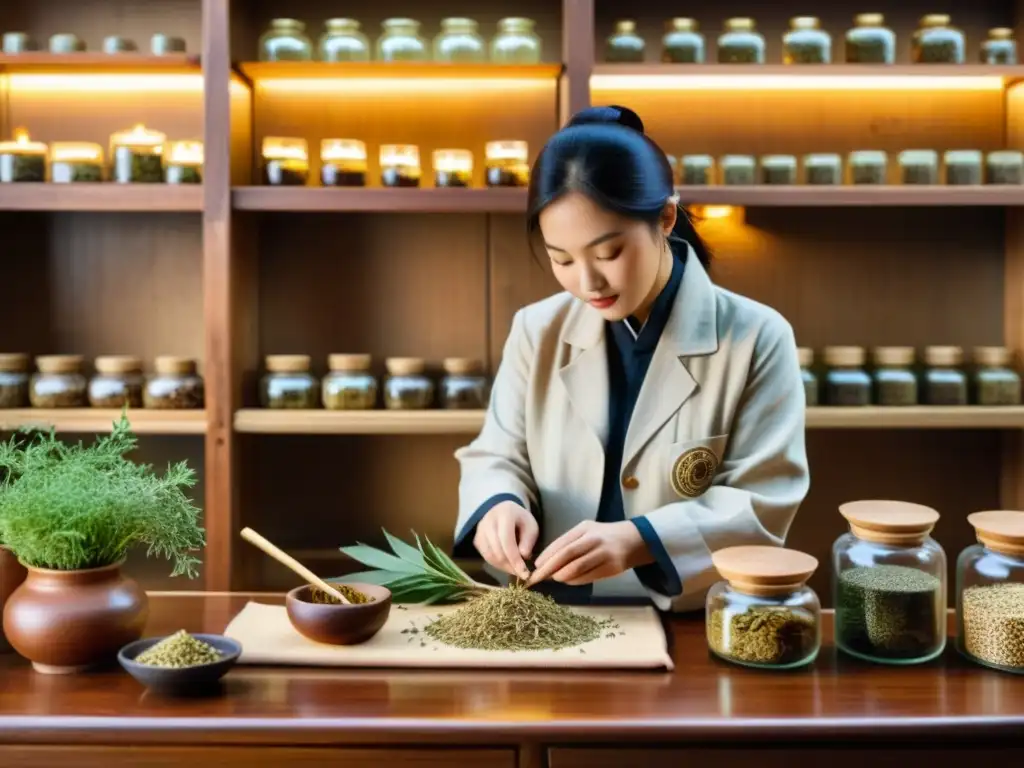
[(889, 583), (349, 386), (14, 378), (137, 156), (741, 43), (516, 42), (407, 387), (58, 383), (285, 40), (401, 41), (990, 592), (847, 383), (778, 169), (1005, 166), (894, 377), (464, 385), (459, 42), (697, 170), (76, 161), (868, 166), (806, 357), (22, 160), (919, 166), (343, 40), (945, 382), (805, 42), (738, 170), (763, 614), (1000, 47), (288, 383), (118, 382), (624, 44), (937, 41), (963, 166), (823, 169), (870, 41), (682, 42), (995, 382)]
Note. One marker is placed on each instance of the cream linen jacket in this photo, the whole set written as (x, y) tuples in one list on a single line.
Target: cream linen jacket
[(714, 455)]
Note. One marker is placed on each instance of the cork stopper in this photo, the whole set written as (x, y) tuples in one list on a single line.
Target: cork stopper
[(935, 20), (764, 571), (404, 366), (1000, 33), (889, 522), (682, 25), (739, 24), (13, 362), (999, 530), (893, 355), (172, 365), (943, 356), (844, 357), (462, 366), (992, 356), (805, 356), (626, 26), (59, 363), (287, 363), (869, 19), (804, 22), (112, 364), (348, 363)]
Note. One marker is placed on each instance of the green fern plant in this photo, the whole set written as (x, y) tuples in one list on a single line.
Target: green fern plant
[(69, 506), (421, 574)]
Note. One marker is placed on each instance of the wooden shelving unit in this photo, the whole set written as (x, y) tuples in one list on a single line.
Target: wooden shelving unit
[(102, 269), (101, 419)]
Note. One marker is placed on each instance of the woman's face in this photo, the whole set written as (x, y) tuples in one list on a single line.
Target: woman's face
[(615, 264)]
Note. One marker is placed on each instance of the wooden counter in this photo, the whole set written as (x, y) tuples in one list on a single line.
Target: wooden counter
[(839, 709)]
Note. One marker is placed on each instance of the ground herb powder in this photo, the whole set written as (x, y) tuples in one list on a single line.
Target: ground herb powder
[(179, 650), (354, 596), (993, 624), (763, 635)]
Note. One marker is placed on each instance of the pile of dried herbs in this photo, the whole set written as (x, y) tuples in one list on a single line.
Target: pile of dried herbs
[(178, 651)]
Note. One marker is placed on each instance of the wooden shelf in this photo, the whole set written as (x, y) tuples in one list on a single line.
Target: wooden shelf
[(105, 196), (102, 419), (320, 70), (421, 200), (915, 417), (126, 63), (1009, 73), (873, 196)]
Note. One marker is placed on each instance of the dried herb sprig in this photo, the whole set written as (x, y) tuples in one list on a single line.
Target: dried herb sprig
[(421, 574)]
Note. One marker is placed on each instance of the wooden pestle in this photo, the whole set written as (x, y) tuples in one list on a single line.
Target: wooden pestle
[(290, 562)]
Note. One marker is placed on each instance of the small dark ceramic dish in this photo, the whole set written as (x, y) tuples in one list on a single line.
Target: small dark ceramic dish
[(185, 679), (337, 623)]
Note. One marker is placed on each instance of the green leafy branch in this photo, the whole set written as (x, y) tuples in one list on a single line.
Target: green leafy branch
[(421, 574)]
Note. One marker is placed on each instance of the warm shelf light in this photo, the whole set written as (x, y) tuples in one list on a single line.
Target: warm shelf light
[(801, 82), (378, 85), (106, 83)]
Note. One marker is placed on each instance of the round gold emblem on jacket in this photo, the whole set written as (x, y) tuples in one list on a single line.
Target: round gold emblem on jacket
[(693, 471)]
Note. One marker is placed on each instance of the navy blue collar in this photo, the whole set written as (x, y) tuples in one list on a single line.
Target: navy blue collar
[(650, 332)]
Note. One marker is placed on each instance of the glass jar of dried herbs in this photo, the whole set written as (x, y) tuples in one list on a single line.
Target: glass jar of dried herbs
[(778, 169), (65, 42), (22, 160), (937, 41), (343, 163), (285, 40), (894, 376), (344, 41), (288, 383), (76, 161), (763, 614), (805, 355), (995, 382), (175, 385), (407, 387), (624, 44), (868, 166), (870, 41), (1000, 47), (459, 42), (464, 386), (847, 383), (19, 42), (738, 170), (889, 583), (697, 170), (516, 42), (285, 161), (990, 592), (506, 163), (682, 42), (1005, 166), (118, 382), (919, 166), (945, 383), (184, 164), (823, 169), (58, 382), (741, 43), (805, 42), (14, 380), (400, 165), (119, 44), (963, 166), (453, 168), (137, 156), (349, 385), (401, 41), (166, 45)]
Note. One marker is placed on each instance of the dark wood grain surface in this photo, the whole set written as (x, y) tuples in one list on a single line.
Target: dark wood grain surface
[(702, 700)]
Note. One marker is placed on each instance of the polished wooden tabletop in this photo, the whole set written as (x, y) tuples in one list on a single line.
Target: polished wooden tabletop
[(702, 699)]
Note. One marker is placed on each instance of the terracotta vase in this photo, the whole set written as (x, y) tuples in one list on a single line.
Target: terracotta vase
[(68, 621), (12, 573)]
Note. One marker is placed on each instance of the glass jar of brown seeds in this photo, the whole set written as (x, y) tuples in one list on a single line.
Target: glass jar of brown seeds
[(846, 381), (741, 43), (59, 382), (823, 169), (407, 387), (464, 385), (288, 383), (1004, 167), (894, 377), (995, 382), (868, 166), (870, 41), (349, 386), (937, 41), (682, 43), (919, 166), (945, 383), (118, 382), (175, 385), (963, 166), (805, 42), (14, 378)]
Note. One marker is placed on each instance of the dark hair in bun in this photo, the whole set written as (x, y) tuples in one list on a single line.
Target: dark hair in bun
[(604, 153)]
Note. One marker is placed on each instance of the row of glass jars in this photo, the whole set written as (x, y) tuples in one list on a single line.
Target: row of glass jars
[(805, 42), (119, 380), (896, 379), (64, 42), (350, 384), (343, 163), (459, 41), (915, 166), (137, 155), (889, 589)]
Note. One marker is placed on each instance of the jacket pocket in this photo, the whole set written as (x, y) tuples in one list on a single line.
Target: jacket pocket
[(691, 465)]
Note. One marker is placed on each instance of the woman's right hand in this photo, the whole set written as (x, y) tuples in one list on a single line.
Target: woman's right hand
[(506, 536)]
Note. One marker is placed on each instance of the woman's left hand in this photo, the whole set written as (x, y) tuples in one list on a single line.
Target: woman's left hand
[(589, 552)]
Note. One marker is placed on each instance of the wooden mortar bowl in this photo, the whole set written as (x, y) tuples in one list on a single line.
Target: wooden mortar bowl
[(337, 623)]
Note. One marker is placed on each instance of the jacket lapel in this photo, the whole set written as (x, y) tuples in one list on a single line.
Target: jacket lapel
[(585, 377)]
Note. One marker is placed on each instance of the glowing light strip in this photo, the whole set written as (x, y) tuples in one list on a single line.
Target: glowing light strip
[(107, 83), (406, 85), (809, 82)]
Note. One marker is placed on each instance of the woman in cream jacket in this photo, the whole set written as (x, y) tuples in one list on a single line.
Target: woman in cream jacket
[(642, 419)]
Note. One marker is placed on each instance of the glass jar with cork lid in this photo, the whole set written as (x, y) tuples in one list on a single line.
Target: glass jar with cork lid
[(516, 42), (137, 156), (349, 384), (1000, 47), (937, 41), (407, 386), (945, 382), (285, 40), (22, 160), (464, 385), (401, 41), (342, 40), (459, 42), (738, 170), (805, 355), (990, 592), (682, 43), (285, 161), (453, 168), (174, 385), (847, 383), (963, 166), (76, 161), (506, 163), (400, 165), (870, 41), (343, 163), (889, 583), (1004, 166), (995, 382), (740, 43), (118, 382), (58, 383), (624, 45), (894, 377), (13, 380), (778, 169), (184, 162), (763, 614), (805, 42), (868, 166), (697, 170), (288, 383), (823, 168)]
